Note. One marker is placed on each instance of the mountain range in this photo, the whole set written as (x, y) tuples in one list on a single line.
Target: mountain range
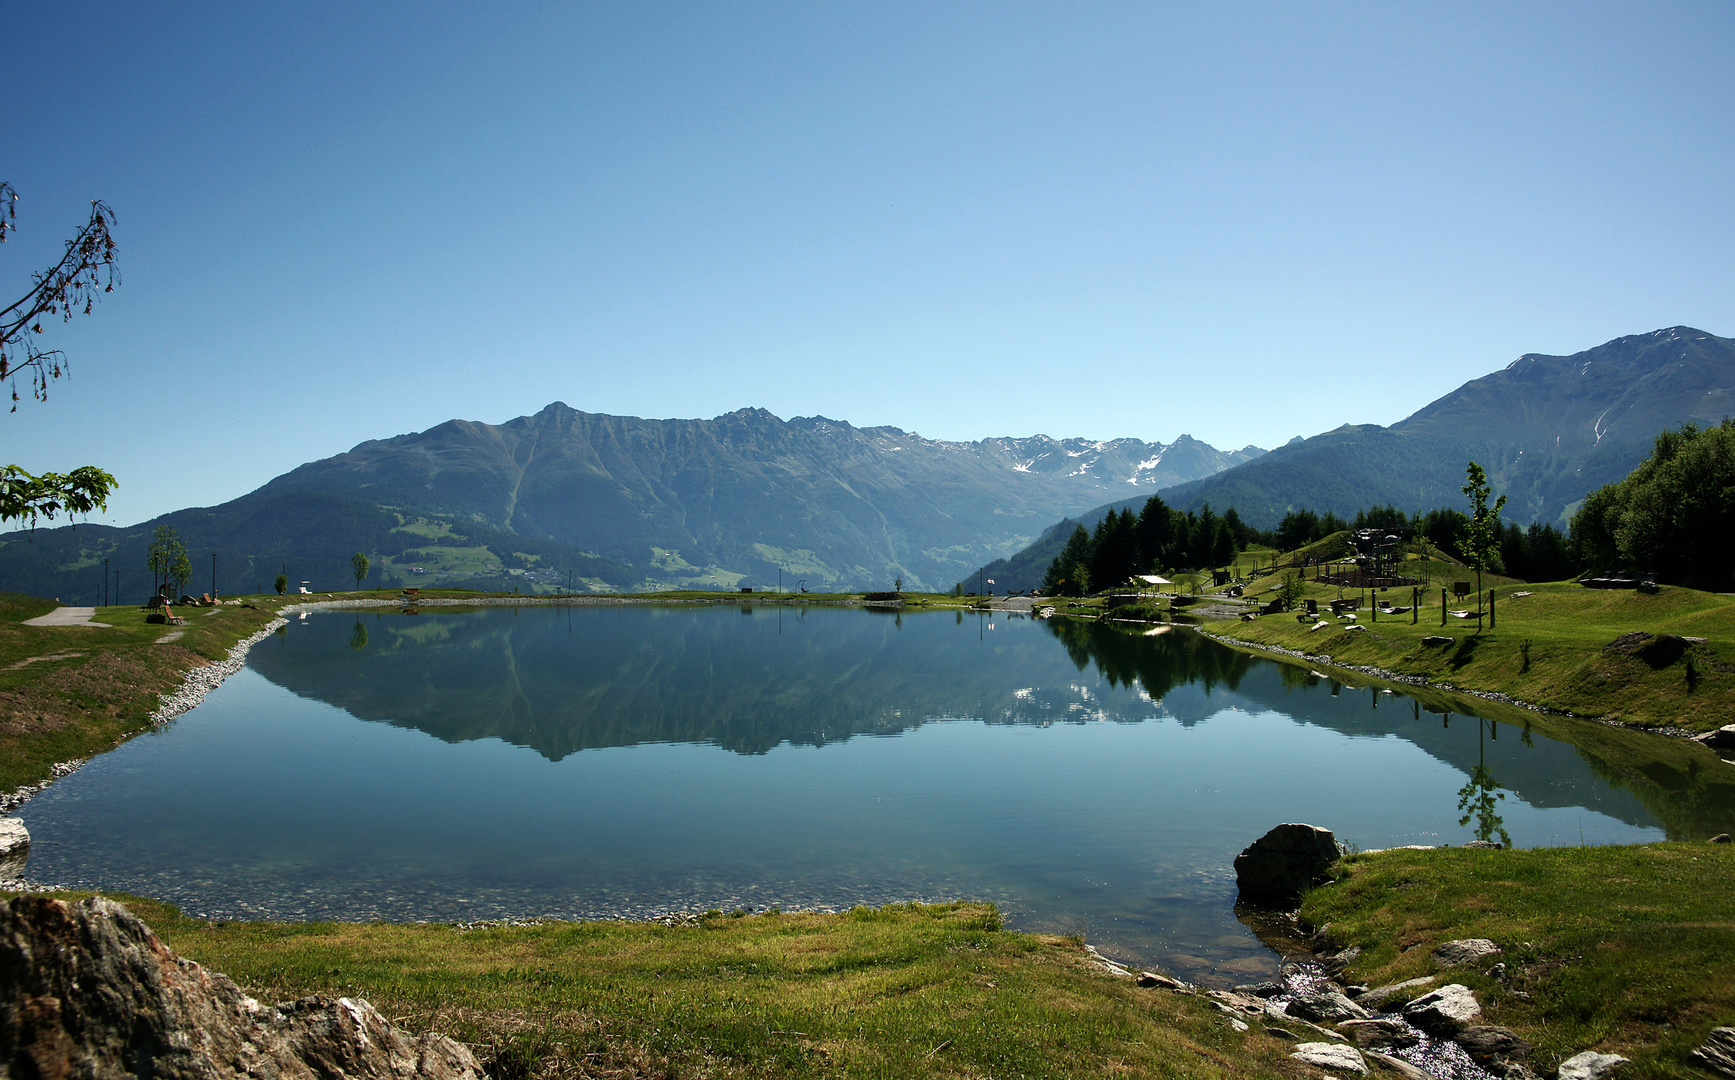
[(581, 500), (569, 499)]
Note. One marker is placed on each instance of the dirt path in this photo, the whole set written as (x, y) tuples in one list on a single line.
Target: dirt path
[(66, 616)]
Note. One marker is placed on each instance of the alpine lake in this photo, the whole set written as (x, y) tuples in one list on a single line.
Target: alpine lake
[(627, 760)]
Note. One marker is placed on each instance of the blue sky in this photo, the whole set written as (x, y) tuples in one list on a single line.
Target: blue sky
[(1239, 221)]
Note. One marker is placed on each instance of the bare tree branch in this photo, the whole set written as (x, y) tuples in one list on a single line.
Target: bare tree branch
[(71, 286)]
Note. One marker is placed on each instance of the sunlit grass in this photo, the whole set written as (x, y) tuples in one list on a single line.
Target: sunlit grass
[(1550, 648), (1627, 950), (902, 991)]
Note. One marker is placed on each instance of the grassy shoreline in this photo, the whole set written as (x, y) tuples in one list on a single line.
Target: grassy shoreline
[(1619, 949), (904, 990)]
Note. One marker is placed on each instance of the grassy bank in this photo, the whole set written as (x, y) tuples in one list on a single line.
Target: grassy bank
[(1627, 950), (72, 691), (1556, 647), (900, 991)]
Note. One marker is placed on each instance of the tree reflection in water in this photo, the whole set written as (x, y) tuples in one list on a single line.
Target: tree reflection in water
[(1480, 797)]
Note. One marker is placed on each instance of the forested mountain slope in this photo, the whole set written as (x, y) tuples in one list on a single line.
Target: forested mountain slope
[(1548, 429)]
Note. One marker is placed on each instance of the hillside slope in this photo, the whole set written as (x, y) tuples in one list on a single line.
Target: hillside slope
[(1548, 429)]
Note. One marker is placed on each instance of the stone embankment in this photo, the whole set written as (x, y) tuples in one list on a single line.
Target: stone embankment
[(202, 680)]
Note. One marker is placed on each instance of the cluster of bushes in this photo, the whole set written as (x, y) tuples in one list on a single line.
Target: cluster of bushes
[(1673, 515)]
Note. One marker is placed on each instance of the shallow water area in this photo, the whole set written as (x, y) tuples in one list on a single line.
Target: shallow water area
[(632, 760)]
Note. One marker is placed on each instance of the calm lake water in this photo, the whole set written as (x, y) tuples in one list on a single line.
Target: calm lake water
[(631, 760)]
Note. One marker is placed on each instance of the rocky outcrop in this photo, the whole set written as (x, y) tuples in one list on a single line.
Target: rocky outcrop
[(1377, 998), (1444, 1012), (1397, 1065), (1381, 1031), (1718, 1051), (87, 991), (1278, 867)]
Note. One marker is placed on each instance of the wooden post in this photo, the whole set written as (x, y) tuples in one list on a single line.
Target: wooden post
[(1442, 607), (1415, 605), (1490, 609)]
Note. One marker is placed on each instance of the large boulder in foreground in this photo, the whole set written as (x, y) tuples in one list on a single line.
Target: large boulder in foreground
[(87, 991), (1278, 867)]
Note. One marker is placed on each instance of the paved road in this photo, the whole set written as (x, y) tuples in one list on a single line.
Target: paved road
[(66, 616)]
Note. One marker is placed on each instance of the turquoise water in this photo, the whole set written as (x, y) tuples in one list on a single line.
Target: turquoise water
[(631, 760)]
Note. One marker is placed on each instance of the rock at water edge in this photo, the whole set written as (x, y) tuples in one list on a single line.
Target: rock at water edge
[(1385, 1031), (1398, 1065), (1278, 867), (1487, 1043), (1377, 998)]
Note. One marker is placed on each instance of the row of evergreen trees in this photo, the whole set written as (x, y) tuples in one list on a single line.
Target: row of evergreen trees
[(1673, 515), (1159, 537)]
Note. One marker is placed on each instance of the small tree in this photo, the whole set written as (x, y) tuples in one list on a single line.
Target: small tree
[(281, 583), (1290, 591), (168, 559), (1481, 537), (358, 565)]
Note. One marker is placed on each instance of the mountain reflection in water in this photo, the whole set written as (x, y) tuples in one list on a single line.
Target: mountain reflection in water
[(560, 680), (631, 674)]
